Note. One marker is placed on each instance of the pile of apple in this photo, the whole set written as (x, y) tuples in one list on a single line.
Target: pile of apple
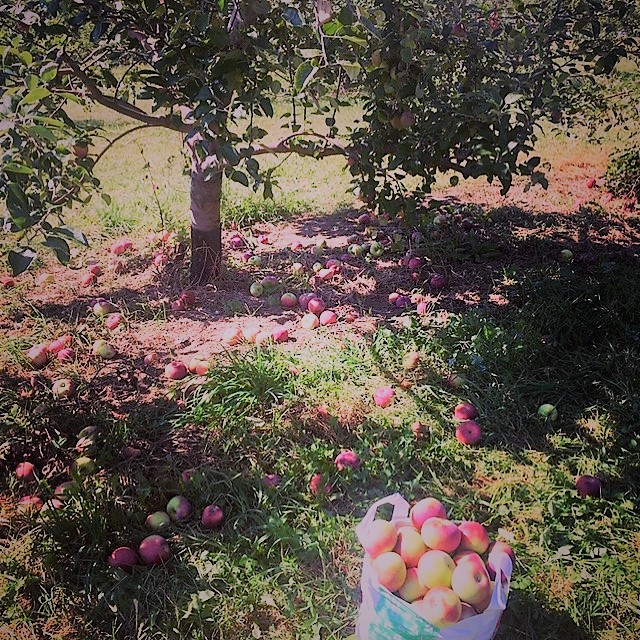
[(446, 571)]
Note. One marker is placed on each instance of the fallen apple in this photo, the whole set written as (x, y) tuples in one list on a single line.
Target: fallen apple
[(154, 549), (468, 432), (212, 517), (103, 349), (328, 317), (158, 521), (37, 355), (124, 558), (280, 334), (63, 388), (25, 472), (256, 289), (310, 321), (289, 301), (548, 412), (29, 504), (437, 282), (88, 279), (347, 459), (113, 320), (465, 411), (589, 486), (179, 508), (175, 370), (383, 396)]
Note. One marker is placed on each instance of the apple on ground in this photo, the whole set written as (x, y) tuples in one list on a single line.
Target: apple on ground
[(88, 279), (231, 336), (158, 521), (38, 355), (548, 412), (249, 334), (113, 320), (262, 337), (188, 297), (383, 396), (45, 278), (124, 558), (255, 261), (310, 321), (271, 480), (441, 534), (347, 459), (280, 334), (256, 289), (468, 432), (63, 388), (66, 355), (7, 282), (179, 508), (84, 466), (376, 249), (437, 282), (317, 486), (154, 549), (411, 360), (419, 430), (95, 268), (175, 370), (589, 486), (25, 472), (178, 305), (328, 317), (150, 358), (198, 365), (289, 301), (103, 349), (316, 305), (59, 343), (304, 299), (465, 411), (566, 255), (212, 517), (390, 570), (29, 504), (422, 308), (379, 537), (103, 308)]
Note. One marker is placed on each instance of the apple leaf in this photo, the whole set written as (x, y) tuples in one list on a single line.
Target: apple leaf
[(20, 259)]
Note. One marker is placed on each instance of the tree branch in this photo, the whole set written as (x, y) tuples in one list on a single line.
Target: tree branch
[(121, 106), (119, 137)]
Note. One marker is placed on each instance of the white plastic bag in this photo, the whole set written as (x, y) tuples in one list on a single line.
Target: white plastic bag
[(385, 616)]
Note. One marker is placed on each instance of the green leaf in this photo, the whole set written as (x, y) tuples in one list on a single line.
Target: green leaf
[(266, 106), (229, 154), (303, 76), (35, 95), (370, 27), (14, 167), (350, 68), (20, 259), (512, 97), (239, 176), (73, 234), (59, 247), (38, 131)]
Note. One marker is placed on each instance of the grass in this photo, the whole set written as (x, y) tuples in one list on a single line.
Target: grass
[(286, 563)]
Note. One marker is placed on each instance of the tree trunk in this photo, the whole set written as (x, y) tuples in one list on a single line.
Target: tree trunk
[(206, 228)]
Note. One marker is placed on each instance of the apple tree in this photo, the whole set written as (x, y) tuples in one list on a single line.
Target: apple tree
[(455, 86)]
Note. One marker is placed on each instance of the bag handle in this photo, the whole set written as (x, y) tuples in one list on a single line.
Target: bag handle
[(400, 511), (504, 569)]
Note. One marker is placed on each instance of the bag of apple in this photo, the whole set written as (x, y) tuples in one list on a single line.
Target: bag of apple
[(427, 578)]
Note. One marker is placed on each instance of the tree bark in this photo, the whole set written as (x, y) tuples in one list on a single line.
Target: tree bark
[(206, 228)]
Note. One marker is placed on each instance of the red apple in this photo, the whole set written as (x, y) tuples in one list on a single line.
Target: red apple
[(328, 317), (37, 355), (589, 486), (316, 305), (55, 346), (212, 517), (189, 297), (112, 321), (280, 334), (7, 282), (468, 432), (198, 365), (88, 279), (175, 370), (347, 459), (96, 269), (425, 509), (154, 550), (465, 411), (29, 504), (124, 558), (316, 485), (383, 396), (25, 471), (310, 321), (437, 281)]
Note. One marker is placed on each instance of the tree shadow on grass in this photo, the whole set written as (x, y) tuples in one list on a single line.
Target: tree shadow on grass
[(527, 619)]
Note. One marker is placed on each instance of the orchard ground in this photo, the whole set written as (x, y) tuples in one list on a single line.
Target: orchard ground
[(520, 325)]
